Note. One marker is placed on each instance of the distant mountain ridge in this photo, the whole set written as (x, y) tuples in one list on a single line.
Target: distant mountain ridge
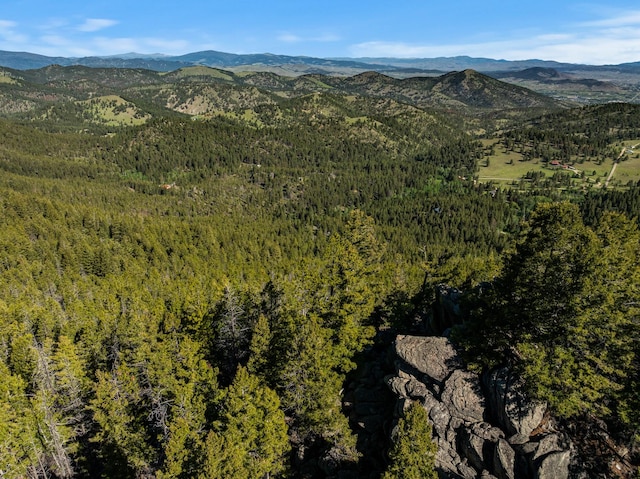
[(562, 81), (161, 62)]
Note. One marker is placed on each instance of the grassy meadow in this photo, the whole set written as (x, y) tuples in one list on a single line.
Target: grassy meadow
[(509, 168)]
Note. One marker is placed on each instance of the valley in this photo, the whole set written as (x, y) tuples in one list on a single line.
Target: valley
[(203, 270)]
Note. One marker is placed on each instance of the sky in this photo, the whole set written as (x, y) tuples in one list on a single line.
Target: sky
[(598, 32)]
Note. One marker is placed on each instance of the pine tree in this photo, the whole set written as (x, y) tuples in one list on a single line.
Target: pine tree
[(251, 438), (562, 312), (311, 386), (121, 426), (258, 362), (20, 447), (413, 452)]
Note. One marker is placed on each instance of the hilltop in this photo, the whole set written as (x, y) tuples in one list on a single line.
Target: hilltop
[(603, 83), (200, 90)]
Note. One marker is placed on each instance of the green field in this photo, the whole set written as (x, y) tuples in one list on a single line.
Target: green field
[(509, 168), (628, 168), (113, 110)]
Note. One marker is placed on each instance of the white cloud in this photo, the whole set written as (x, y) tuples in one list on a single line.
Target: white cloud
[(9, 38), (55, 40), (611, 40), (53, 24), (322, 38), (554, 37), (289, 38), (96, 24), (7, 25), (627, 18)]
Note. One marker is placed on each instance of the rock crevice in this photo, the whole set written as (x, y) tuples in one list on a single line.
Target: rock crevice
[(484, 425)]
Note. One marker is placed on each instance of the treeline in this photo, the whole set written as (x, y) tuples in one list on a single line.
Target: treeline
[(582, 134), (622, 201)]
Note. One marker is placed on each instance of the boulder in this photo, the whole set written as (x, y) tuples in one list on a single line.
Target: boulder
[(459, 404), (434, 357), (416, 389), (463, 396), (445, 428), (466, 471), (472, 447), (554, 466), (439, 416), (397, 385), (548, 444), (449, 462), (518, 439), (512, 409), (477, 443), (504, 460)]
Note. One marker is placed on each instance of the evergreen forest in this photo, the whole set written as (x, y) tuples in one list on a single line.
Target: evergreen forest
[(194, 264)]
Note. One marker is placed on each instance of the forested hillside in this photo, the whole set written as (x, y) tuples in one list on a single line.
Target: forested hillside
[(193, 264)]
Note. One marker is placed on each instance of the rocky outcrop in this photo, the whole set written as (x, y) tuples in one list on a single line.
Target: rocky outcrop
[(513, 411), (436, 359), (484, 426)]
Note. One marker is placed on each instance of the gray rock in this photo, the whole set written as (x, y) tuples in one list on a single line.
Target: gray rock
[(444, 427), (463, 396), (452, 430), (528, 449), (430, 371), (547, 445), (439, 415), (504, 460), (446, 458), (416, 390), (487, 432), (554, 466), (472, 447), (477, 442), (518, 439), (466, 471), (402, 372), (451, 464), (397, 385), (432, 356), (514, 411)]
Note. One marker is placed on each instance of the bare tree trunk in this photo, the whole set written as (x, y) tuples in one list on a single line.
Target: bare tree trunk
[(49, 431)]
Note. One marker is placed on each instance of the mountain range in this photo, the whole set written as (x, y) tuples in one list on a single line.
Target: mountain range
[(563, 81), (161, 62)]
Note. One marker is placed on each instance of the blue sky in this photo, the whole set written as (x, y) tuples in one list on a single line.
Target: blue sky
[(600, 32)]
